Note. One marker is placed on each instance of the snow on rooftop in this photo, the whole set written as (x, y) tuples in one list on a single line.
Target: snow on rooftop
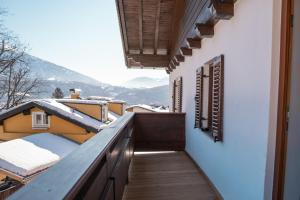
[(34, 153), (109, 99), (82, 101), (100, 98), (117, 101), (147, 107), (70, 113)]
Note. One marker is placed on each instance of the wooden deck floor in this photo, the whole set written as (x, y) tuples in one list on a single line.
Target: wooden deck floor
[(167, 176)]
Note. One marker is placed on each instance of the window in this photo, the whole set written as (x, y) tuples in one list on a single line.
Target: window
[(40, 120), (209, 98), (177, 95)]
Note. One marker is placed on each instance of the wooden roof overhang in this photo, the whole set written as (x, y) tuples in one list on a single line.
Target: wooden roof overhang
[(160, 33)]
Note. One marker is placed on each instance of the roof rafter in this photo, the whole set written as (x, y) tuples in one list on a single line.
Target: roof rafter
[(157, 17), (141, 25), (149, 60)]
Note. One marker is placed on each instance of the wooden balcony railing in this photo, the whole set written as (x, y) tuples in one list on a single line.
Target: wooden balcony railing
[(98, 169)]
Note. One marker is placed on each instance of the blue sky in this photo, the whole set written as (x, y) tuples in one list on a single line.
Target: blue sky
[(81, 35)]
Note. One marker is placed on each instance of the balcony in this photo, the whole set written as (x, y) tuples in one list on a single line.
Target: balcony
[(141, 156)]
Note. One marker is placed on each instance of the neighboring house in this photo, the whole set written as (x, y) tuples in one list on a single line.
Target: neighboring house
[(94, 108), (70, 118), (145, 108), (140, 108), (116, 106), (229, 65)]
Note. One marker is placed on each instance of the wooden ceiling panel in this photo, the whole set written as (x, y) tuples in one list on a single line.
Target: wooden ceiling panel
[(131, 15), (147, 31)]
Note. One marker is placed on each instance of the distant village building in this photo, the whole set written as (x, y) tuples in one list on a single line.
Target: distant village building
[(116, 106), (145, 108)]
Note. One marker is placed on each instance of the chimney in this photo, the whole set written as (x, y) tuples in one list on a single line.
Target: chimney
[(74, 93)]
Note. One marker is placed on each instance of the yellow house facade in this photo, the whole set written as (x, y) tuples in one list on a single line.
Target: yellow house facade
[(117, 106), (76, 121)]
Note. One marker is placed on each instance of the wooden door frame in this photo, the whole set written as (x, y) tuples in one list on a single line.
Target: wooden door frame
[(283, 100)]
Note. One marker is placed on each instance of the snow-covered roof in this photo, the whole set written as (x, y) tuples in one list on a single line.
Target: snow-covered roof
[(29, 155), (143, 106), (82, 101), (100, 98), (117, 101), (108, 99), (150, 108), (51, 106)]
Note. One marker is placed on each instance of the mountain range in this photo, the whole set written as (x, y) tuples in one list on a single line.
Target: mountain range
[(146, 82), (141, 90)]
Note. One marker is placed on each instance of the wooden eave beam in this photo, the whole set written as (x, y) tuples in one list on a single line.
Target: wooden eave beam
[(169, 68), (205, 30), (222, 10), (175, 62), (179, 58), (186, 51), (172, 65), (141, 26), (194, 43), (148, 60), (157, 17), (123, 29)]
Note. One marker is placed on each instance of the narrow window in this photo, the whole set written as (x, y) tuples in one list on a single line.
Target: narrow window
[(209, 98), (40, 120)]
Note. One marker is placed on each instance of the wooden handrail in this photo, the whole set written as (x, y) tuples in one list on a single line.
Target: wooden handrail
[(73, 176)]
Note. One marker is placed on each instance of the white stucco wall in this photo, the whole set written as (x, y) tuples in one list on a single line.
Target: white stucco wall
[(236, 166)]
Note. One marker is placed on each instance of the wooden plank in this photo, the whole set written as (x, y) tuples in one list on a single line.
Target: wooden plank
[(169, 68), (122, 25), (175, 62), (222, 10), (167, 176), (205, 30), (159, 131), (4, 194), (179, 58), (141, 26), (194, 43), (150, 60), (186, 51), (284, 80), (173, 66), (156, 27)]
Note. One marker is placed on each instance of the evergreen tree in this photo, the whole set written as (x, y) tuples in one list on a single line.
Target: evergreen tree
[(58, 94)]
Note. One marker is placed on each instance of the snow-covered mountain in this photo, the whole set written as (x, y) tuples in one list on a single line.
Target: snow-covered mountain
[(146, 82), (48, 71), (53, 76)]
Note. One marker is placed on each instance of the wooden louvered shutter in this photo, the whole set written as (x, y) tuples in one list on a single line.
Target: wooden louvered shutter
[(198, 99), (217, 98), (173, 96), (179, 95), (209, 98)]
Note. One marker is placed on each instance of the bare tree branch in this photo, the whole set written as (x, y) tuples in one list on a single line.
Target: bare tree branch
[(16, 85)]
